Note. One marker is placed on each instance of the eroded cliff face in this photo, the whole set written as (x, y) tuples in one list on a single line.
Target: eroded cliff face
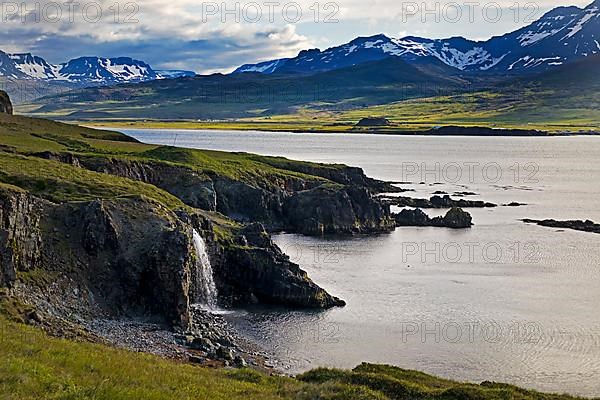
[(254, 269), (345, 205), (5, 104), (133, 257), (20, 237), (191, 187), (125, 257)]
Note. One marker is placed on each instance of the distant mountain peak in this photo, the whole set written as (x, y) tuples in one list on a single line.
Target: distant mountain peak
[(82, 71), (561, 35)]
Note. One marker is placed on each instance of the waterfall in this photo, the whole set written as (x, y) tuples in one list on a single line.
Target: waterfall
[(205, 291)]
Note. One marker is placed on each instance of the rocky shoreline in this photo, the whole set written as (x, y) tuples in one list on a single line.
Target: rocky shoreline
[(124, 268)]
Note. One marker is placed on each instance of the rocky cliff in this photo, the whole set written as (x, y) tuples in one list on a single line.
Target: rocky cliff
[(133, 257), (20, 240), (96, 227), (332, 200), (255, 269), (5, 104)]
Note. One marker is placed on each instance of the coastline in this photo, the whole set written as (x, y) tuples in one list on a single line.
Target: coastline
[(447, 130)]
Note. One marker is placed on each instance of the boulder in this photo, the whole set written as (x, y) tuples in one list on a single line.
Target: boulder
[(5, 104)]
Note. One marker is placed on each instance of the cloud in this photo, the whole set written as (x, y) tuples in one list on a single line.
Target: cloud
[(206, 36), (165, 36)]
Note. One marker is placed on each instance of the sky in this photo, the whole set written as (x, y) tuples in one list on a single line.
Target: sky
[(208, 37)]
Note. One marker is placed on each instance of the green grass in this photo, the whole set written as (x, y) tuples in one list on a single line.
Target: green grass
[(35, 366), (566, 99), (59, 182)]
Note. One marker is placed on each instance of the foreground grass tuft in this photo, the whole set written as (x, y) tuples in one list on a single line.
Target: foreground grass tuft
[(35, 366)]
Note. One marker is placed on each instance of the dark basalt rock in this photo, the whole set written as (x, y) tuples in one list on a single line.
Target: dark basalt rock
[(373, 121), (585, 226), (260, 270), (326, 210), (307, 206), (414, 217), (5, 104), (437, 202), (20, 236), (122, 258), (133, 257), (456, 218)]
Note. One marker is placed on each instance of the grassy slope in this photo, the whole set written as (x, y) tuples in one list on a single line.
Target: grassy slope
[(20, 137), (565, 99), (34, 366), (248, 95)]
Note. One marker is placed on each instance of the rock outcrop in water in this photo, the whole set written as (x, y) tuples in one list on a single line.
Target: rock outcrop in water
[(5, 104), (256, 269), (585, 226), (455, 218), (437, 202)]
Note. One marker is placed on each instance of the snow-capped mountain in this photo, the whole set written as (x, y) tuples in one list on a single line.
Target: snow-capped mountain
[(84, 71), (173, 73), (560, 36), (266, 67), (105, 70)]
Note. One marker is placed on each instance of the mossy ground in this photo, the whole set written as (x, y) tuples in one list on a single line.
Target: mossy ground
[(35, 366)]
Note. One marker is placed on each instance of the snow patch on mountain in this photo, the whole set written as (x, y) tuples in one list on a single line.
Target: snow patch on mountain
[(579, 26), (529, 38), (561, 35), (264, 67), (82, 71)]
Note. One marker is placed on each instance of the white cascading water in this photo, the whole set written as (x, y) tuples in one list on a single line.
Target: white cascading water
[(205, 289)]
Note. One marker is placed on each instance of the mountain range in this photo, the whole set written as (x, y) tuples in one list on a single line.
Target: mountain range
[(83, 71), (545, 73), (562, 35)]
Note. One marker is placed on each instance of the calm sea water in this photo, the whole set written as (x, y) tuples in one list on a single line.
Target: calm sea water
[(503, 301)]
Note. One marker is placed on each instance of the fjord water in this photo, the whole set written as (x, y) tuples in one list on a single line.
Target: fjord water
[(503, 301)]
